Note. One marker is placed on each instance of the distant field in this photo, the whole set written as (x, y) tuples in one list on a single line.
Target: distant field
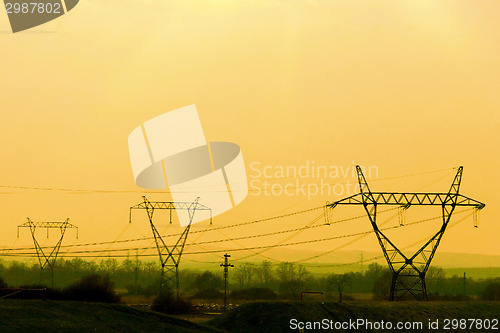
[(474, 272)]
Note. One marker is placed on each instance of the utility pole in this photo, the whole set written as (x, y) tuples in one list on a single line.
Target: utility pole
[(226, 266), (465, 279)]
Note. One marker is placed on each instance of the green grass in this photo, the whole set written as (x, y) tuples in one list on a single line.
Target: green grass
[(275, 316), (57, 316)]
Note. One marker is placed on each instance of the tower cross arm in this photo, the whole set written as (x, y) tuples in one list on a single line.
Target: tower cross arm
[(168, 205), (411, 198), (49, 225)]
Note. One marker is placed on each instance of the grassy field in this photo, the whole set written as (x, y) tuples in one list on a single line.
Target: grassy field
[(276, 316), (55, 316)]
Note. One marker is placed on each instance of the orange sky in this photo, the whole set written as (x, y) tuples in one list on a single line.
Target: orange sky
[(407, 86)]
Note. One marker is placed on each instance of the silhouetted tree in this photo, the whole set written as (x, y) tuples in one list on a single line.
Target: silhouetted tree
[(207, 281), (339, 282), (291, 277), (244, 274), (434, 280), (264, 273), (491, 292), (382, 286), (92, 288)]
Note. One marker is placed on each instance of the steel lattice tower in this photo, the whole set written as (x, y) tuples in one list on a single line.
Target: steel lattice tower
[(408, 273), (170, 257), (44, 259)]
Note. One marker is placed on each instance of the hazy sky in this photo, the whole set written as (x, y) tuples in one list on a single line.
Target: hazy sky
[(406, 86)]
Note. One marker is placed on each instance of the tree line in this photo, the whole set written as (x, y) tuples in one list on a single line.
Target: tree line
[(264, 279)]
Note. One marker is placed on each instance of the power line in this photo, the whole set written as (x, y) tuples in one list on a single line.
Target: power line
[(307, 227), (193, 232), (255, 247), (104, 191), (404, 248)]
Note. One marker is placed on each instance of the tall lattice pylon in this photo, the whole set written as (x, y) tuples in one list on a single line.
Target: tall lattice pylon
[(44, 259), (170, 256), (408, 273)]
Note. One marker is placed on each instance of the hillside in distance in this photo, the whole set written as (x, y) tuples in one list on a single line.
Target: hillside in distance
[(342, 261)]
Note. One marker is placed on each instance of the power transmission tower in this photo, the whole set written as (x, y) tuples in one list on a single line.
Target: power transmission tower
[(44, 259), (408, 273), (226, 266), (170, 257)]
